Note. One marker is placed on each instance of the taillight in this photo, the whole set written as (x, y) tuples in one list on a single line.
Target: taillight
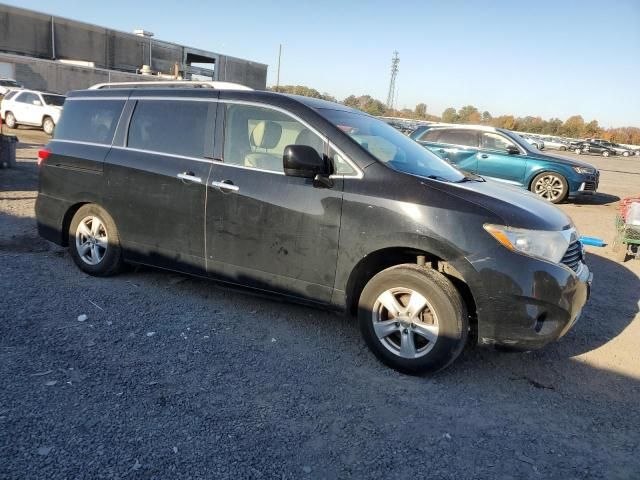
[(43, 155)]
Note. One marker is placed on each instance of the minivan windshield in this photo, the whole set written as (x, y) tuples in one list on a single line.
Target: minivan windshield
[(55, 100), (391, 147)]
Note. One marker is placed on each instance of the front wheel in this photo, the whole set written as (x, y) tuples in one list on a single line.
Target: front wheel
[(413, 319), (10, 120), (48, 125), (578, 151), (605, 154), (625, 154), (94, 242), (550, 186)]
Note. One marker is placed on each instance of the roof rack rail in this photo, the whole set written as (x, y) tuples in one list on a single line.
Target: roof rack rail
[(171, 84)]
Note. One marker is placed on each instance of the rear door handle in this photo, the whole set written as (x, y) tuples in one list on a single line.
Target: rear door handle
[(189, 177), (226, 185)]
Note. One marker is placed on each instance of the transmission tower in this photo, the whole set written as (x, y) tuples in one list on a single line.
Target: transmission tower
[(391, 97)]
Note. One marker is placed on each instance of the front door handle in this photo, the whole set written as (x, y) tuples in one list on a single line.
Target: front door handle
[(483, 155), (226, 185), (189, 177), (441, 150)]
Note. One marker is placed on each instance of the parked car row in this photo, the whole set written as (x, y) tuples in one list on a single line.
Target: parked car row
[(30, 107)]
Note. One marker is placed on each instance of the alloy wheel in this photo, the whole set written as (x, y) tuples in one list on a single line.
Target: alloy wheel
[(405, 322), (549, 187), (91, 240)]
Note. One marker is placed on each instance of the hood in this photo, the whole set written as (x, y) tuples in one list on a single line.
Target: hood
[(516, 206), (559, 159)]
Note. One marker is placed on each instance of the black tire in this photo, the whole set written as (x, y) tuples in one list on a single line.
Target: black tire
[(565, 187), (10, 120), (563, 149), (444, 300), (111, 261)]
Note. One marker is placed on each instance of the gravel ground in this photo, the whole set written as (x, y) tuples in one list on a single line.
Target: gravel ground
[(174, 377)]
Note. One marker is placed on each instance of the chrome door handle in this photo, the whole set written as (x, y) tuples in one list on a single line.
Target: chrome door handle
[(189, 177), (226, 185)]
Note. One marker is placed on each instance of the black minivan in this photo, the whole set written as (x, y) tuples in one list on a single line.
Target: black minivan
[(314, 201)]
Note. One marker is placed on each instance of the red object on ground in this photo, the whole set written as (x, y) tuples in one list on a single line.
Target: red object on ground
[(625, 203)]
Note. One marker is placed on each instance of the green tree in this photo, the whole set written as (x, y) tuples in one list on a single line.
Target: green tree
[(367, 104), (592, 129), (468, 114), (450, 115), (421, 110), (486, 117), (573, 127)]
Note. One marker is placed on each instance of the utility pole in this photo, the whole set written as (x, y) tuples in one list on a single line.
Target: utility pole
[(391, 96), (278, 74)]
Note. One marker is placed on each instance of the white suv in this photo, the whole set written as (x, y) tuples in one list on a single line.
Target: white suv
[(28, 107)]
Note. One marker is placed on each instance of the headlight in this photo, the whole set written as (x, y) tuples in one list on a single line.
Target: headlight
[(544, 244), (585, 170)]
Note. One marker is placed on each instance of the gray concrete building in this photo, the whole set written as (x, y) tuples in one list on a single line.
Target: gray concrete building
[(56, 54)]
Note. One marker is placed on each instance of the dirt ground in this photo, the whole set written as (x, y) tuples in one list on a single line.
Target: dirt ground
[(172, 377)]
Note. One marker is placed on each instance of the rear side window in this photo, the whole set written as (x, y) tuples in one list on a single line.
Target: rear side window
[(91, 121), (429, 136), (10, 95), (467, 138), (173, 127)]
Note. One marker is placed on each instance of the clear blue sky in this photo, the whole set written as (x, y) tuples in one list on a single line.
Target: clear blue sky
[(547, 58)]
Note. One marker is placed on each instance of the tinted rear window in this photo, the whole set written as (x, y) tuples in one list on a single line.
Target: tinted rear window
[(459, 137), (92, 121), (173, 127)]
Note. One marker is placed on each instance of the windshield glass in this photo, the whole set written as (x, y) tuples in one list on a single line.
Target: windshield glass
[(55, 100), (9, 83), (392, 147)]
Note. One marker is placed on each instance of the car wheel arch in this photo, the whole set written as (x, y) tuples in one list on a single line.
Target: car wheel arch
[(383, 258)]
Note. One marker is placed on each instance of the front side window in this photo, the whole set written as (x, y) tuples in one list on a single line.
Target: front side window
[(494, 141), (256, 137), (91, 121), (391, 147), (172, 127)]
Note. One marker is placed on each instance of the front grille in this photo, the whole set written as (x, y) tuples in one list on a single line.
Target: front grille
[(573, 257)]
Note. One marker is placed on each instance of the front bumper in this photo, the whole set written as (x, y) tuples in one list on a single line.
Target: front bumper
[(586, 185), (528, 303)]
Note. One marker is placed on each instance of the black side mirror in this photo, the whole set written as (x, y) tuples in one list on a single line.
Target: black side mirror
[(303, 161), (511, 150)]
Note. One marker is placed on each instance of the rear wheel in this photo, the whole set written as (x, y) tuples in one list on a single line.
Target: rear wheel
[(10, 120), (578, 151), (413, 319), (605, 154), (562, 149), (625, 154), (48, 125), (550, 186), (94, 243)]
